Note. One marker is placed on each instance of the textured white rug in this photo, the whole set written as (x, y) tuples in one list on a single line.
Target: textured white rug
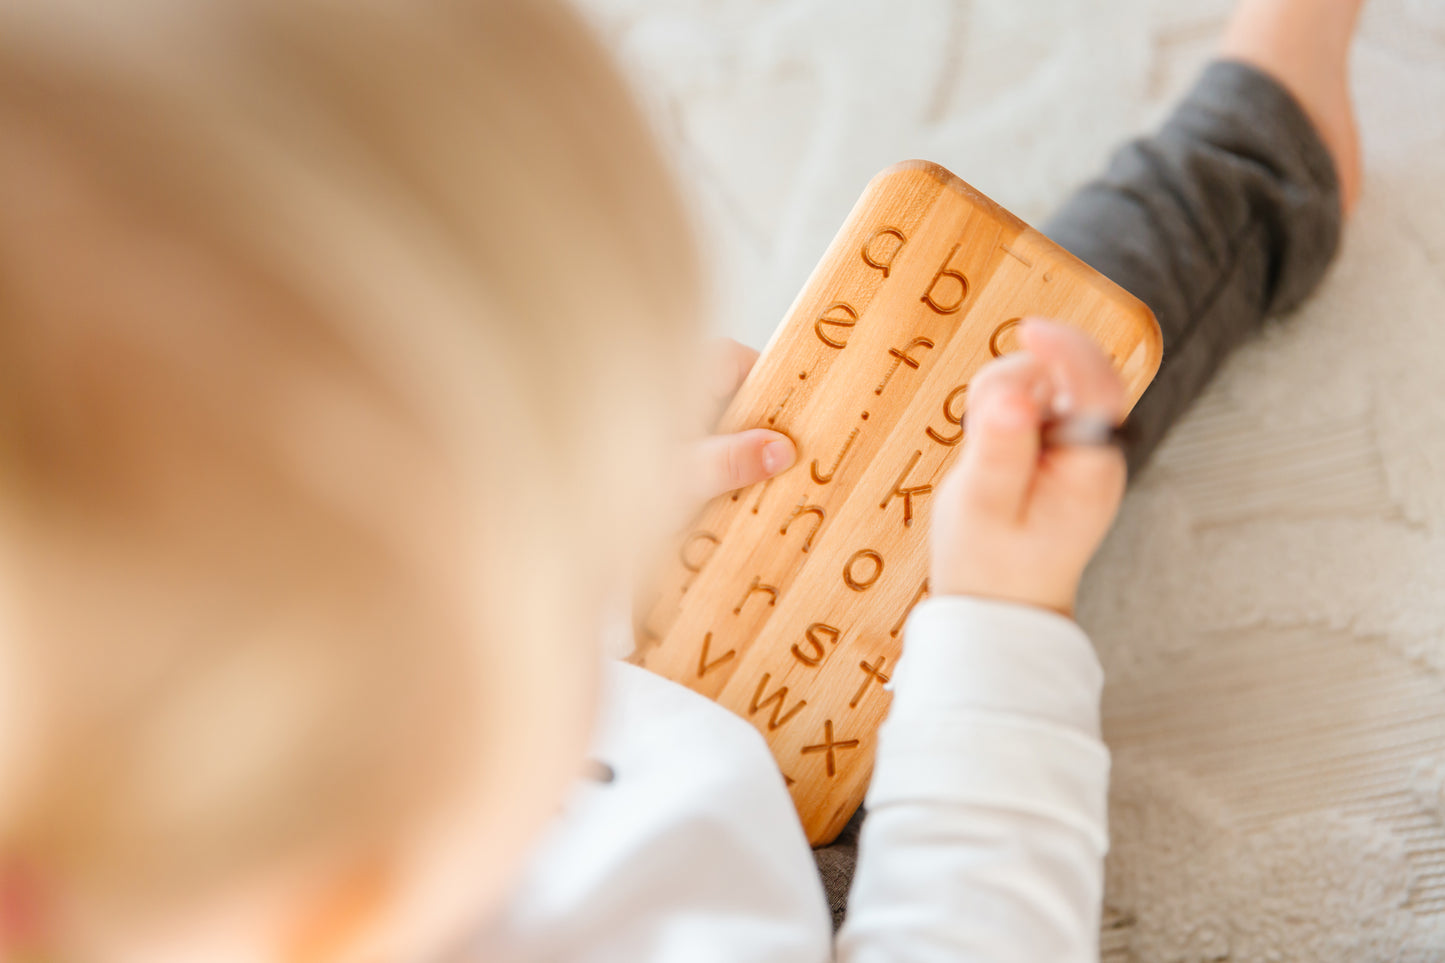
[(1271, 608)]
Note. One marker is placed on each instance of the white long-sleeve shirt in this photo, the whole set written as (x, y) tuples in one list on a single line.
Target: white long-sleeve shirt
[(984, 840)]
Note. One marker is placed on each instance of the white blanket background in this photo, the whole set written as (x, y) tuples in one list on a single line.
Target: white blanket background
[(1271, 607)]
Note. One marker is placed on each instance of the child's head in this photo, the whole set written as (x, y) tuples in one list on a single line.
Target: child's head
[(337, 339)]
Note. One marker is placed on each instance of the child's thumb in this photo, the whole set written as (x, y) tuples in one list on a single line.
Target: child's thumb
[(724, 463)]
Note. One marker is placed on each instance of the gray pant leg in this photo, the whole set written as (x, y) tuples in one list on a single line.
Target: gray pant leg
[(1229, 214)]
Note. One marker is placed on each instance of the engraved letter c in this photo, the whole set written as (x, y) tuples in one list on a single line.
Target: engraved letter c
[(997, 345)]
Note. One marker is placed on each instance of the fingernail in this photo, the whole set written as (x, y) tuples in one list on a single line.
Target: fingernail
[(1063, 405), (777, 456)]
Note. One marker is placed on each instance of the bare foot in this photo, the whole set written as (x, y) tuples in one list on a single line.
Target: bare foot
[(1305, 45)]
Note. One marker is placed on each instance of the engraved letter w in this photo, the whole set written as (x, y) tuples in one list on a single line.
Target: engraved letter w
[(776, 700)]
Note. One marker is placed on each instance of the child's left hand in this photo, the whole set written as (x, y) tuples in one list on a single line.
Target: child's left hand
[(723, 463)]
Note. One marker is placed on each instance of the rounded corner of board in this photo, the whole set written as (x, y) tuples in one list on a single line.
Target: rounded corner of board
[(947, 179), (1152, 337), (927, 167)]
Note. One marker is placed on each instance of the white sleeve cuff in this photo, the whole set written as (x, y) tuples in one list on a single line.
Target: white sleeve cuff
[(970, 653), (996, 705)]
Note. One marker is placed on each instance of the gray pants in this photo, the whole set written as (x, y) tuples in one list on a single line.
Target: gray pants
[(1228, 215)]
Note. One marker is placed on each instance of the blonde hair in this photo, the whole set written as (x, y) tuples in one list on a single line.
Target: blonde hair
[(316, 447)]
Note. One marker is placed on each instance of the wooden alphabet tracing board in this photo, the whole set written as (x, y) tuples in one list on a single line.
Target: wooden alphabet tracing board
[(786, 602)]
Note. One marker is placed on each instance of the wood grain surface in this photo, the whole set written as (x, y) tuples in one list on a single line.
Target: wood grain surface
[(786, 602)]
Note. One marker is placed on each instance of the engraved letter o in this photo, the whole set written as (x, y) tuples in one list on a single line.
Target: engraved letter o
[(850, 577)]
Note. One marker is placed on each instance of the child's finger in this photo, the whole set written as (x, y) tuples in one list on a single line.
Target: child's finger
[(1006, 404), (1084, 380), (724, 463), (1084, 481)]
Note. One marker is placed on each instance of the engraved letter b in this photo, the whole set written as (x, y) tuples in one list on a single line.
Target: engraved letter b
[(932, 296)]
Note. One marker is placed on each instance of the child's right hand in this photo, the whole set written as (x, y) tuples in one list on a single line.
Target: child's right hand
[(1015, 521)]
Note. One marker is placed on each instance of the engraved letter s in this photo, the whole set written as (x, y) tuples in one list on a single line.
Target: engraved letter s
[(816, 644)]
